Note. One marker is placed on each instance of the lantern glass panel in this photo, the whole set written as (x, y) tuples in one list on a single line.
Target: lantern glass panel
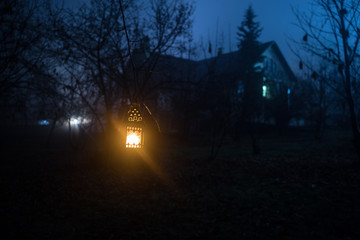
[(134, 137)]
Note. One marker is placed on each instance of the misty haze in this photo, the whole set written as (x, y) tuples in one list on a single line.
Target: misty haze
[(180, 119)]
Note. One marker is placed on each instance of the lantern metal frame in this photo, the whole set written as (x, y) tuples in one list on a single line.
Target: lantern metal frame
[(134, 128)]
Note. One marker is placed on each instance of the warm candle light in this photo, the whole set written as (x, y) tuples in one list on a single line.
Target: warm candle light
[(133, 137)]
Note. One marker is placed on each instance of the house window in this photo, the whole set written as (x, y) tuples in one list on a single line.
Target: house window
[(258, 67), (288, 98), (264, 90), (241, 88), (273, 66)]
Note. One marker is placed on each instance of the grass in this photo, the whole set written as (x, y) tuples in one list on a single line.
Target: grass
[(297, 188)]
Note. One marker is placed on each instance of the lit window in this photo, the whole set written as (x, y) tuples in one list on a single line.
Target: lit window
[(289, 91), (264, 92)]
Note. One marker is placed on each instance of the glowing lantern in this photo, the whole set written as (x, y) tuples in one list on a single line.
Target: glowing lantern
[(134, 128)]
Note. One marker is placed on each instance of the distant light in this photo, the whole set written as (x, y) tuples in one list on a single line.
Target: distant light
[(74, 121), (289, 91), (44, 122), (78, 120)]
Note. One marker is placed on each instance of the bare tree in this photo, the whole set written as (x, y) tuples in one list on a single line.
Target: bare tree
[(317, 97), (332, 33), (21, 58), (110, 50)]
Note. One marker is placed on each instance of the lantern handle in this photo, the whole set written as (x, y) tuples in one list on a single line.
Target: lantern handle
[(157, 124)]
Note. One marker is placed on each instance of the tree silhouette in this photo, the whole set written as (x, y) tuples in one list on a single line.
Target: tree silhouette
[(22, 57), (332, 33), (251, 76), (110, 50)]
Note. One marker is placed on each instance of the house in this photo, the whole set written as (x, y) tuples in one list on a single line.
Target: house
[(277, 74), (211, 79)]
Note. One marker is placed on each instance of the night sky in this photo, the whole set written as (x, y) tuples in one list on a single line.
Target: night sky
[(275, 16)]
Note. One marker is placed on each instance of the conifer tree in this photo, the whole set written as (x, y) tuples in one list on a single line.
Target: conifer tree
[(251, 76), (248, 33)]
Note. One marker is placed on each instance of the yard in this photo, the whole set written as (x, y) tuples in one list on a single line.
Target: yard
[(297, 188)]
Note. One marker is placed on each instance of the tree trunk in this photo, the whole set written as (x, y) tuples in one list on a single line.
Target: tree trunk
[(354, 125), (51, 132), (255, 144), (350, 101)]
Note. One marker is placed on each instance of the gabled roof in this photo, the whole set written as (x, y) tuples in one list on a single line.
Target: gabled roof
[(275, 47), (229, 61), (174, 68), (266, 45)]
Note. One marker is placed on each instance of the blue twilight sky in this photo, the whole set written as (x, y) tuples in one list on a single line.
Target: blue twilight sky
[(275, 17)]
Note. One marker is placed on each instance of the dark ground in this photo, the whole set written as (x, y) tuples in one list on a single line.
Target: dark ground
[(297, 188)]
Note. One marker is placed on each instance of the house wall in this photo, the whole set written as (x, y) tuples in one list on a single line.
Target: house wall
[(273, 68)]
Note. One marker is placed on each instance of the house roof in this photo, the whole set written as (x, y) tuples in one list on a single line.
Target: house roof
[(275, 47), (226, 64), (266, 45), (230, 59)]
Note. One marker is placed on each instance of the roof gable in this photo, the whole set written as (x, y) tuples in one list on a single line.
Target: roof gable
[(227, 62), (276, 50)]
